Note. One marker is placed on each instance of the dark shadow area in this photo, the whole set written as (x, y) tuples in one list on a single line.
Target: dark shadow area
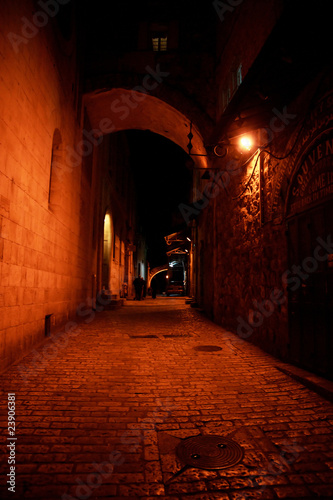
[(163, 182)]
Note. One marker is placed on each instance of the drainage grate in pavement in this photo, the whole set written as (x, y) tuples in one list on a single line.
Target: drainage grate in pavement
[(246, 450), (209, 452), (207, 348)]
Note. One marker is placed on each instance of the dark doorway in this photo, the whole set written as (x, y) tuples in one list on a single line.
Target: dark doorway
[(310, 290), (47, 327)]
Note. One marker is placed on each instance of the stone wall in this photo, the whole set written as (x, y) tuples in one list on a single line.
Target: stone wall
[(246, 261), (242, 29), (44, 241), (115, 183), (245, 225)]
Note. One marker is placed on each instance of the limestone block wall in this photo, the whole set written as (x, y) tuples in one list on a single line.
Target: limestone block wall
[(44, 261), (245, 225), (242, 264), (114, 181)]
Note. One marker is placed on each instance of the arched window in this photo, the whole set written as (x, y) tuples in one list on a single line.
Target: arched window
[(55, 171), (107, 247)]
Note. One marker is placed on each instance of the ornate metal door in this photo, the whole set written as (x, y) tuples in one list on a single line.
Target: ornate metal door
[(310, 289)]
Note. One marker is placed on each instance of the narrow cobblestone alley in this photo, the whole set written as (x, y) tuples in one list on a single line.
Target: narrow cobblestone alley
[(100, 412)]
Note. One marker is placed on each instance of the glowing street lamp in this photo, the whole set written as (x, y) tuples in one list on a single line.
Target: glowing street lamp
[(246, 143)]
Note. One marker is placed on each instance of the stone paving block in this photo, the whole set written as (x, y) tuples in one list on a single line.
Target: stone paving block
[(133, 447), (182, 488), (262, 494), (139, 490), (104, 392), (207, 496), (149, 437), (326, 477), (321, 491), (55, 468), (153, 473), (132, 466), (84, 491), (271, 480), (219, 484), (198, 475), (159, 498), (310, 467), (292, 492), (51, 492), (240, 482), (303, 478)]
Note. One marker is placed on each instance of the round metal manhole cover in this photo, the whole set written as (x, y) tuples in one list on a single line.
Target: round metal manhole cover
[(208, 348), (209, 452)]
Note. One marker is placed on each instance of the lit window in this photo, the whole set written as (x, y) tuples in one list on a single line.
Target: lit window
[(155, 44), (160, 44), (163, 44)]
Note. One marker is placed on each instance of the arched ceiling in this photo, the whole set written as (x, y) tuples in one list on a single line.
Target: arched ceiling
[(120, 109)]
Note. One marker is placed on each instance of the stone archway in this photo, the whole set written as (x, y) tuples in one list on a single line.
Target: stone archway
[(120, 109), (156, 270)]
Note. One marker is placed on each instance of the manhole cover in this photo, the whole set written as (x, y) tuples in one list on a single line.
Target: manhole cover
[(209, 452), (208, 348)]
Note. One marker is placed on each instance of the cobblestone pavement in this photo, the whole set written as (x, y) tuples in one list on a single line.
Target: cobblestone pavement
[(101, 409)]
